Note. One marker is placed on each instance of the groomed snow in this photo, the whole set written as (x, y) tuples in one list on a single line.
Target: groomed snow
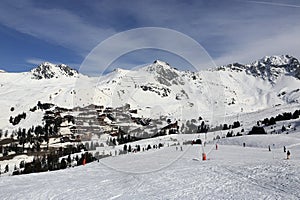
[(231, 172)]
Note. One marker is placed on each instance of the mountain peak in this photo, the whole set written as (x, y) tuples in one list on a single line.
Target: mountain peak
[(47, 64), (160, 62), (276, 60), (272, 67), (49, 70), (164, 73), (269, 67), (159, 65)]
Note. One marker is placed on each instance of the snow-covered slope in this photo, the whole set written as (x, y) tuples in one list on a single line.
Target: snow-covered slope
[(231, 172), (156, 89)]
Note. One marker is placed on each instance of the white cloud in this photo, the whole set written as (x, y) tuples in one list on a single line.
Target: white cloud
[(56, 26), (38, 61), (284, 42), (145, 38), (231, 31), (275, 4), (35, 61)]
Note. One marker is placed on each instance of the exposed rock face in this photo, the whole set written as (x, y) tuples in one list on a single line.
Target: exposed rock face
[(48, 70)]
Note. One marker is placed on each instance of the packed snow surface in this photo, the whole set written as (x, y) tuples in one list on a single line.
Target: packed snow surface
[(231, 172)]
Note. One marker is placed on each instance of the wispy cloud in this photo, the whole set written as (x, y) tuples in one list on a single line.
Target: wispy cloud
[(279, 44), (38, 61), (230, 31), (57, 26), (35, 61), (275, 4), (146, 38)]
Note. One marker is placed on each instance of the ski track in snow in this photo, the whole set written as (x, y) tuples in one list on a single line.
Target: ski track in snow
[(229, 174)]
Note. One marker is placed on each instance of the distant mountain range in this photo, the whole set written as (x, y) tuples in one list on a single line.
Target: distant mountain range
[(155, 90)]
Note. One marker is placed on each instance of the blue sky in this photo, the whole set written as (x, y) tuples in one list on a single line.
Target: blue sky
[(66, 31)]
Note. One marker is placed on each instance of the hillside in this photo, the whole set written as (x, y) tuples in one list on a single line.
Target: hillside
[(156, 90)]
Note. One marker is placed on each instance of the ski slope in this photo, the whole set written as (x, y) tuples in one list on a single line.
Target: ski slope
[(231, 172)]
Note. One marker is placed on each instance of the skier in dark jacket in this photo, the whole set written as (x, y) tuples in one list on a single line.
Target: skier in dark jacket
[(288, 154)]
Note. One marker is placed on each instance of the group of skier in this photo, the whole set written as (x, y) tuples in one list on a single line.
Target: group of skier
[(288, 153)]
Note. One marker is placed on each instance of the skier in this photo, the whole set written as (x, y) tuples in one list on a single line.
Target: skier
[(203, 156), (84, 161), (181, 148), (288, 154), (284, 149), (216, 146), (6, 168), (244, 144), (269, 148)]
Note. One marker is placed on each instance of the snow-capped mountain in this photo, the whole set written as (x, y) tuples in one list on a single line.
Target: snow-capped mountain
[(48, 70), (270, 67), (156, 89)]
